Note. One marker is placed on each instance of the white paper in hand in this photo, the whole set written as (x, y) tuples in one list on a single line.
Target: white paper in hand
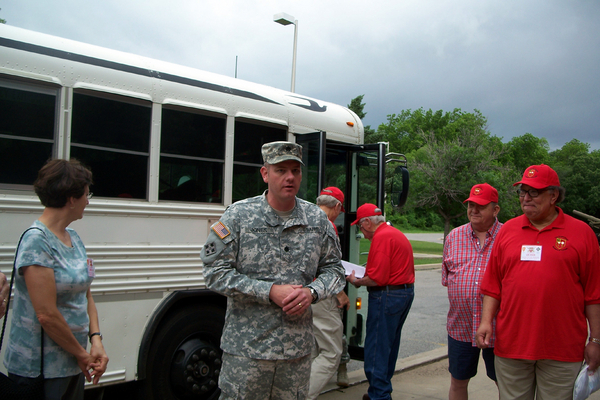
[(359, 271), (586, 384)]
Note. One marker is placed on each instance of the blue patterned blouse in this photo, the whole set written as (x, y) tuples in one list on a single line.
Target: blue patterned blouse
[(43, 248)]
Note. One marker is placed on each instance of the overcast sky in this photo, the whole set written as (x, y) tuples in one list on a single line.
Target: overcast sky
[(528, 65)]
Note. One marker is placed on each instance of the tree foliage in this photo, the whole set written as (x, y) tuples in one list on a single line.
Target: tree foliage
[(523, 151), (445, 169), (449, 152), (579, 173), (402, 130), (358, 107)]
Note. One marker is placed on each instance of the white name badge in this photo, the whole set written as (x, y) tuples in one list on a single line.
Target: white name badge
[(531, 253), (91, 269)]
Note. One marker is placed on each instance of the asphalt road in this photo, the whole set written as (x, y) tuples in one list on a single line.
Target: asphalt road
[(426, 237), (425, 327)]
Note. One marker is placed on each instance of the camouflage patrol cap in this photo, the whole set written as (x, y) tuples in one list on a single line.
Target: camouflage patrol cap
[(276, 152)]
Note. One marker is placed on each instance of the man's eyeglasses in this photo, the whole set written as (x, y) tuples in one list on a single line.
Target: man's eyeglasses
[(533, 193), (89, 195)]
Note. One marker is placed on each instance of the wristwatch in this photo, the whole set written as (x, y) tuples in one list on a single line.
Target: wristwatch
[(314, 294), (95, 334)]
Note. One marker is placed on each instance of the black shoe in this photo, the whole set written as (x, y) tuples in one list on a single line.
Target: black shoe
[(366, 397)]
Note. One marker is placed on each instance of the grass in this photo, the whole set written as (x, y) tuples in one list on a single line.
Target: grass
[(421, 247), (427, 247)]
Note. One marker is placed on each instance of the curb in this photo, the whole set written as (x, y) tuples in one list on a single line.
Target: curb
[(402, 365)]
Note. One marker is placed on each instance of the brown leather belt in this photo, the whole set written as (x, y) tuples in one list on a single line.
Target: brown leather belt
[(390, 287)]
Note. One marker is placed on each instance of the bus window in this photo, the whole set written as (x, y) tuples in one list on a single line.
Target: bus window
[(247, 158), (192, 156), (111, 135), (366, 164), (26, 131)]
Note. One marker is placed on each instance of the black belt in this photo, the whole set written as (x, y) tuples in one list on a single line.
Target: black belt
[(390, 287)]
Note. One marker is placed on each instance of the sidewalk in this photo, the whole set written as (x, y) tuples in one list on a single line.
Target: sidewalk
[(423, 376)]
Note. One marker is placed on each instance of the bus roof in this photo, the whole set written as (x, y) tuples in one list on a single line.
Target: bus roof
[(83, 66)]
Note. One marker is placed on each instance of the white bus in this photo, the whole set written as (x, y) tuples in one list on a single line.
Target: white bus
[(170, 148)]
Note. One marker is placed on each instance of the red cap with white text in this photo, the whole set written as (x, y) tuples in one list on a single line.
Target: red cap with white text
[(483, 194), (539, 177), (334, 192), (366, 210)]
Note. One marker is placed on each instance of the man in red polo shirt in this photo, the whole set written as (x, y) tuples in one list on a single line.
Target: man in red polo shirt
[(543, 281), (389, 277)]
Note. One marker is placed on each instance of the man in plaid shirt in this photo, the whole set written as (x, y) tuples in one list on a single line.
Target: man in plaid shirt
[(467, 250)]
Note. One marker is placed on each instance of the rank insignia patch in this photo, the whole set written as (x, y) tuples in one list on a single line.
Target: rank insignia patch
[(210, 249), (560, 243), (221, 230)]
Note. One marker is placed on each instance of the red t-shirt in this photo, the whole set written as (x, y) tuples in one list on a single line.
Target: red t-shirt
[(390, 260), (542, 303), (335, 228)]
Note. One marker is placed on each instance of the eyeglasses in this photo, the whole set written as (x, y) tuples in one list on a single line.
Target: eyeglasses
[(533, 193), (89, 195)]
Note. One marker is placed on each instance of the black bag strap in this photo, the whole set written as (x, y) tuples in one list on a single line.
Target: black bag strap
[(12, 279)]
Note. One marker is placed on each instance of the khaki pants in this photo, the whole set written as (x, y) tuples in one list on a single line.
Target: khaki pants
[(539, 379), (328, 329)]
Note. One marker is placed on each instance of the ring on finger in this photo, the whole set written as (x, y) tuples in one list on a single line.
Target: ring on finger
[(299, 304)]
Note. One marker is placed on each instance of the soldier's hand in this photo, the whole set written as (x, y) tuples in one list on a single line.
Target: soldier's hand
[(280, 292), (298, 301)]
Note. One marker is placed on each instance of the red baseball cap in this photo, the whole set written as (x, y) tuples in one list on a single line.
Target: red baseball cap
[(483, 194), (366, 210), (539, 177), (334, 192)]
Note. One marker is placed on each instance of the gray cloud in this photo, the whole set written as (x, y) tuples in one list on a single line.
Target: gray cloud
[(529, 66)]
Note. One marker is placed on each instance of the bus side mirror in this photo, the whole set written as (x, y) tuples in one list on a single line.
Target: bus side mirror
[(399, 189)]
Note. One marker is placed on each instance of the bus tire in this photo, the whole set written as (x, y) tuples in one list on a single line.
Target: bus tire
[(185, 356)]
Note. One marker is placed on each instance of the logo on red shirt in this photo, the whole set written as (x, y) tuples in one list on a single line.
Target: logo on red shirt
[(560, 243)]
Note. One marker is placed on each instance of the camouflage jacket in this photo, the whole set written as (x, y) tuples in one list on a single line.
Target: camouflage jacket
[(249, 250)]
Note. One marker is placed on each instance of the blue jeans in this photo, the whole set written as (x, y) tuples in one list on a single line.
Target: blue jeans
[(386, 315)]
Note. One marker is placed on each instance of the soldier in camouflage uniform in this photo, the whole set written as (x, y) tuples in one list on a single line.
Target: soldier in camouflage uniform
[(264, 254)]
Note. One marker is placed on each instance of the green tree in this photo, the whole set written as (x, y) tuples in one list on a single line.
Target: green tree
[(523, 151), (2, 20), (358, 107), (579, 173), (403, 130), (445, 168)]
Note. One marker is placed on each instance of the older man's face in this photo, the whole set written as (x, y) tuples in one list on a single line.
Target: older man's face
[(540, 207), (482, 217)]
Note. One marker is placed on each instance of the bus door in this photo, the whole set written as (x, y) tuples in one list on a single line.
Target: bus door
[(359, 171)]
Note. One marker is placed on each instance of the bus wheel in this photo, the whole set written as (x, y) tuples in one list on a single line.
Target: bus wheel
[(185, 358)]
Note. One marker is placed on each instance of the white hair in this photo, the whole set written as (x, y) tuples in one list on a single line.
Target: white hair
[(327, 201), (375, 219)]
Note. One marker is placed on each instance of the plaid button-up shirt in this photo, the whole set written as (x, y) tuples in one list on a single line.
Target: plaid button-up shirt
[(462, 272)]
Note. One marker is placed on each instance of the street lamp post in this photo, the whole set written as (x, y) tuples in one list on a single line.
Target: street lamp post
[(286, 19)]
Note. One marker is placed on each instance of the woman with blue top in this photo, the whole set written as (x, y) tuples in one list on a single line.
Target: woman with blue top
[(52, 291)]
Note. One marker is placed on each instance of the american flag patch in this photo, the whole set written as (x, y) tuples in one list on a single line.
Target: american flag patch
[(221, 230)]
